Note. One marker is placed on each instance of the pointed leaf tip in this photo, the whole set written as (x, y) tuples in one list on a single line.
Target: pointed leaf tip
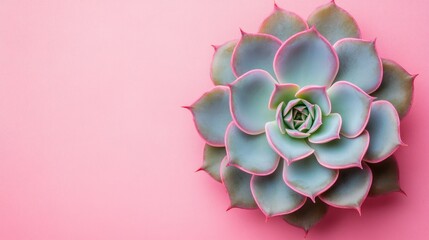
[(307, 216), (276, 6), (359, 210), (305, 233), (243, 33)]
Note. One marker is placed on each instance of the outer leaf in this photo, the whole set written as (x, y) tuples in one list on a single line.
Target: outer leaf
[(212, 115), (397, 87), (350, 189), (250, 153), (334, 22), (237, 184), (385, 177), (254, 51), (383, 127), (306, 59), (273, 196), (308, 215), (250, 95), (212, 159), (221, 70), (359, 63), (308, 177), (282, 24)]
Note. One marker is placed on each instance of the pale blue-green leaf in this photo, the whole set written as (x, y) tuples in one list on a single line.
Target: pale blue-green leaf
[(250, 153)]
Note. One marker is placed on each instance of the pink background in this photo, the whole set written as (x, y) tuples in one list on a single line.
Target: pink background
[(93, 144)]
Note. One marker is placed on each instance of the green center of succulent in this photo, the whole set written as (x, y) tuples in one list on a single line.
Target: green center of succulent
[(298, 118)]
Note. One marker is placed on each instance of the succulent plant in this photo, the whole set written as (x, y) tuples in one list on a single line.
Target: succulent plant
[(304, 115)]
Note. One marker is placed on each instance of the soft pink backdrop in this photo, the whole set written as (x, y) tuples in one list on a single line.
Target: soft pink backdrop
[(93, 144)]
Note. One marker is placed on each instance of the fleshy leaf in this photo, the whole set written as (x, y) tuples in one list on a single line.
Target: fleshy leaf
[(352, 104), (255, 51), (282, 24), (250, 95), (306, 59), (329, 130), (342, 153), (237, 184), (308, 215), (212, 159), (282, 93), (308, 177), (273, 196), (334, 23), (383, 127), (212, 115), (317, 119), (397, 87), (350, 189), (221, 70), (291, 149), (279, 118), (359, 63), (296, 134), (316, 95), (385, 177), (250, 153)]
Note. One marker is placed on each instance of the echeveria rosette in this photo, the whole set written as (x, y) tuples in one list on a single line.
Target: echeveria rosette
[(303, 110)]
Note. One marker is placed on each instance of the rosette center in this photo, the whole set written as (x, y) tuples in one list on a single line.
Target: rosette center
[(298, 118)]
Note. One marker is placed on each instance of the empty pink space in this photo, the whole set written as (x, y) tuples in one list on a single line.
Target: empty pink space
[(94, 144)]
